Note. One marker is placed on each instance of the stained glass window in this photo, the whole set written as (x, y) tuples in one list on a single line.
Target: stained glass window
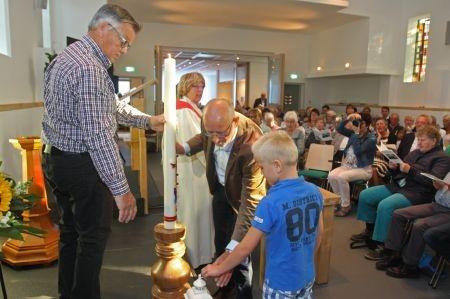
[(421, 49)]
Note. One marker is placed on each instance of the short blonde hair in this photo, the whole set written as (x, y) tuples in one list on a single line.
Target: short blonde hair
[(276, 145), (429, 131), (187, 81)]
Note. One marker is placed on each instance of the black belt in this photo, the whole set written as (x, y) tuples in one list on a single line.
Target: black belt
[(54, 151)]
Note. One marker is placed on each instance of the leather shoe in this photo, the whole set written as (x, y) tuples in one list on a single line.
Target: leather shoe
[(363, 236), (404, 271), (392, 261), (377, 254)]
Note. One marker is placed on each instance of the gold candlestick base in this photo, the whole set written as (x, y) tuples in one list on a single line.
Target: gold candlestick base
[(170, 273)]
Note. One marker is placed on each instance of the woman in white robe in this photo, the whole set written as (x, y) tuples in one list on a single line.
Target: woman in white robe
[(194, 203)]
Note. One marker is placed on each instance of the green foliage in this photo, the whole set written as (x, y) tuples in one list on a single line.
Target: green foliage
[(50, 57)]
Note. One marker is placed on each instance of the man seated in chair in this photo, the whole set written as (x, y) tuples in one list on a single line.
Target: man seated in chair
[(401, 262)]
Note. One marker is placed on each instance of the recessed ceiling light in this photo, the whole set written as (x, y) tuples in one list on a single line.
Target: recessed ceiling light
[(237, 58)]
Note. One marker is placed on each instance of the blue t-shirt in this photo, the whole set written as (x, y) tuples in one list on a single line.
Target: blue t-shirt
[(289, 216)]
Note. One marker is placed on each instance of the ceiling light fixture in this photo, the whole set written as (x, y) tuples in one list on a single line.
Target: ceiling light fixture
[(319, 68), (347, 65)]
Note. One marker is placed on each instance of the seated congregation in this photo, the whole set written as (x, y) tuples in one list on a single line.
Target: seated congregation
[(403, 209)]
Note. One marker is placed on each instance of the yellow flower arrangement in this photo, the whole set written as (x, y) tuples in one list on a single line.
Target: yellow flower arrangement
[(14, 199), (5, 194)]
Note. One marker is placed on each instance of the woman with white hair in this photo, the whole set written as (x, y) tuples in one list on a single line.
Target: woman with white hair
[(295, 131)]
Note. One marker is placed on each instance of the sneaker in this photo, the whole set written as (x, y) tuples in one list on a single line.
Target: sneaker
[(404, 271), (377, 254), (365, 235)]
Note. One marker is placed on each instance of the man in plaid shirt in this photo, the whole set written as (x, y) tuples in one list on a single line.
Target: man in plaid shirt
[(81, 157)]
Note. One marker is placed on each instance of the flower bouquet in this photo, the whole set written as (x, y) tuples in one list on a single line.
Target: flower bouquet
[(14, 199)]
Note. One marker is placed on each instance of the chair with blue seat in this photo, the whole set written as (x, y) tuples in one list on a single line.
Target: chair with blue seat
[(318, 164)]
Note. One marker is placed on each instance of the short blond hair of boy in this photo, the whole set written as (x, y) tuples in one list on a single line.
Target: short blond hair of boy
[(277, 145)]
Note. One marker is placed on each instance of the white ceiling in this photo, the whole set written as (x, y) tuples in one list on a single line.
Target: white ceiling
[(275, 15)]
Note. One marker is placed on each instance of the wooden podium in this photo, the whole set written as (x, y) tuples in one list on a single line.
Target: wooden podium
[(33, 250)]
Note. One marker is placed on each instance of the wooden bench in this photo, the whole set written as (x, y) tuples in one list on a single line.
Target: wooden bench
[(330, 200)]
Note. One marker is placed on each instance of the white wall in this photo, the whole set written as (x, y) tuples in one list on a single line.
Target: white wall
[(433, 92), (332, 48), (258, 80), (294, 45), (71, 18), (17, 82), (343, 89)]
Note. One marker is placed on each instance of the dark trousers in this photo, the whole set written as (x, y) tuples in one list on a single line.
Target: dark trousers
[(425, 217), (85, 205), (224, 217), (438, 238)]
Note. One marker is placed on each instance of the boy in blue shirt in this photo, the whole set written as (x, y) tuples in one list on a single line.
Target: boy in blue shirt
[(290, 216)]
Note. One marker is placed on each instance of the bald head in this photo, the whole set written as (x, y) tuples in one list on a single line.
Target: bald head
[(218, 111)]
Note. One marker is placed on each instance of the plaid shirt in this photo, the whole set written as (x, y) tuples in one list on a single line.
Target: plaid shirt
[(81, 111)]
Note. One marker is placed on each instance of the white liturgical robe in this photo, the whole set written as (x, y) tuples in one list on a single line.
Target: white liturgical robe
[(194, 202)]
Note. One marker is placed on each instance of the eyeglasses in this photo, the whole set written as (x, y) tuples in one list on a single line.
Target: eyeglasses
[(223, 134), (123, 41)]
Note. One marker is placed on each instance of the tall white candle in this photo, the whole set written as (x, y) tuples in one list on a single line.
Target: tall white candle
[(169, 154)]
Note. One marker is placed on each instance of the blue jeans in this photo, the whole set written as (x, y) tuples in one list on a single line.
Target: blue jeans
[(376, 205)]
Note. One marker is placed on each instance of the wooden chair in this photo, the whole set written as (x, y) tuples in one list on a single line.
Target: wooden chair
[(318, 164)]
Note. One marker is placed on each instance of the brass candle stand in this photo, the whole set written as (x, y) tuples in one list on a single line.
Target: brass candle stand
[(170, 273)]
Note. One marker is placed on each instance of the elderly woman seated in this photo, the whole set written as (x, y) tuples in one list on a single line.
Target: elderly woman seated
[(295, 131), (377, 204), (319, 134), (402, 261), (380, 163), (358, 159)]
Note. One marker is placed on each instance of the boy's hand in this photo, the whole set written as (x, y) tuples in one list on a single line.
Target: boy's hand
[(223, 279), (211, 271)]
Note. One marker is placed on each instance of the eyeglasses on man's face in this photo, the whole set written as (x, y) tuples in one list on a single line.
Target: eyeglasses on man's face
[(123, 41), (223, 134)]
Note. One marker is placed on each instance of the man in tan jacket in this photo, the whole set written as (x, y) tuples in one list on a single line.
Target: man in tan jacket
[(234, 179)]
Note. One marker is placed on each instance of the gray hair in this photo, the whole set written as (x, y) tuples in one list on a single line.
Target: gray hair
[(113, 14), (291, 115)]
